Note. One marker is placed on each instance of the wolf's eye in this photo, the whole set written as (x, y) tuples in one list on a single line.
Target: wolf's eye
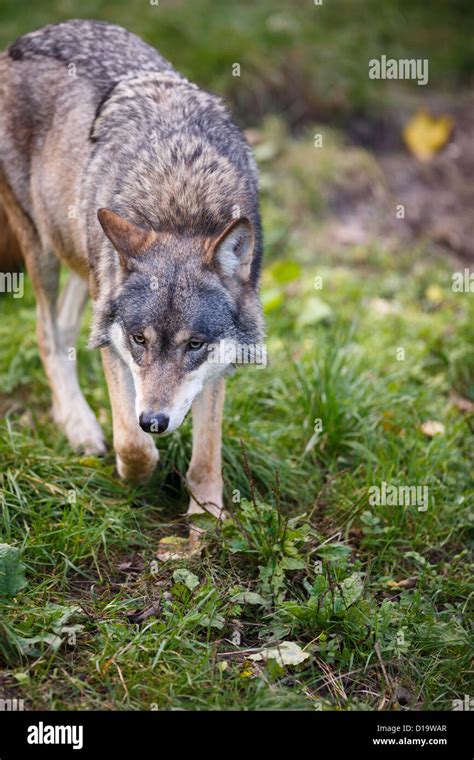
[(195, 345), (139, 339)]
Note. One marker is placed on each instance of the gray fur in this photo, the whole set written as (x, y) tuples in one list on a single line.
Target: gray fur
[(93, 118), (162, 153)]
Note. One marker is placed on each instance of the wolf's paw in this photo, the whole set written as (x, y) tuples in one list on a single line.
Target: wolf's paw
[(212, 505), (205, 497), (80, 428), (136, 462)]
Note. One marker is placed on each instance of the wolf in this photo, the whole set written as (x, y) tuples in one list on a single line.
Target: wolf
[(115, 165)]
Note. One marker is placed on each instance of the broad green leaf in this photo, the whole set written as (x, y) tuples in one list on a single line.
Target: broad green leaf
[(333, 552), (216, 621), (187, 577), (352, 589), (292, 563), (12, 571), (249, 597), (36, 645)]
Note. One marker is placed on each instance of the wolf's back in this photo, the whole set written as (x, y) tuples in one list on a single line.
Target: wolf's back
[(102, 52), (53, 84), (96, 116)]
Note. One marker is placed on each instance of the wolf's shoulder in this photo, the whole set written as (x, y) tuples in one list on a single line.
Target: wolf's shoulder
[(101, 51)]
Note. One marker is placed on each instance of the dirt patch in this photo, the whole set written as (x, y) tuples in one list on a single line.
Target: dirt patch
[(437, 196)]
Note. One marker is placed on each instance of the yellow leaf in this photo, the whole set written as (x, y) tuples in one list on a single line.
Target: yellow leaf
[(424, 134), (434, 294), (407, 583)]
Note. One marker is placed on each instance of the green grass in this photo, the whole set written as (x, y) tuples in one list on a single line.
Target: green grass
[(377, 596)]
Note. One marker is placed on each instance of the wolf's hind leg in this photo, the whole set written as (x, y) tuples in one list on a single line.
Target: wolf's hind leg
[(71, 412), (70, 409), (57, 330), (136, 452), (72, 302), (204, 476)]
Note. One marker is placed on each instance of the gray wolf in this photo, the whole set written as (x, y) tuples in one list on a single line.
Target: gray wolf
[(115, 165)]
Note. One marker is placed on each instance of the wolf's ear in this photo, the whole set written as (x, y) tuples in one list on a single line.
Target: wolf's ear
[(127, 239), (232, 252)]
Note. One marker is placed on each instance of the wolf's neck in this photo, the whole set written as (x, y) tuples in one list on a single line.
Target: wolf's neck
[(167, 154)]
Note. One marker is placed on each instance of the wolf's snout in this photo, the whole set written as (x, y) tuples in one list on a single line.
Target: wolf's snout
[(153, 423)]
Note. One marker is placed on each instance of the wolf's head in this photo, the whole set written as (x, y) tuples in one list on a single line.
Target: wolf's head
[(178, 298)]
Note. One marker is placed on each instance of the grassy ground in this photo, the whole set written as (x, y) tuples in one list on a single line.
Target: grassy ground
[(367, 343), (333, 580)]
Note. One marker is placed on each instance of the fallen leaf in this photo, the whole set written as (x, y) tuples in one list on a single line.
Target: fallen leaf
[(134, 564), (432, 428), (187, 577), (407, 583), (425, 134), (176, 548), (286, 653), (30, 648)]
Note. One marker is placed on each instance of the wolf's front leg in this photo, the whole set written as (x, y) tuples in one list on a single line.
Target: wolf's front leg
[(204, 476), (136, 452)]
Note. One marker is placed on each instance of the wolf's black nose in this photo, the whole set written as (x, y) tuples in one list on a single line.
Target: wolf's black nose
[(153, 423)]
